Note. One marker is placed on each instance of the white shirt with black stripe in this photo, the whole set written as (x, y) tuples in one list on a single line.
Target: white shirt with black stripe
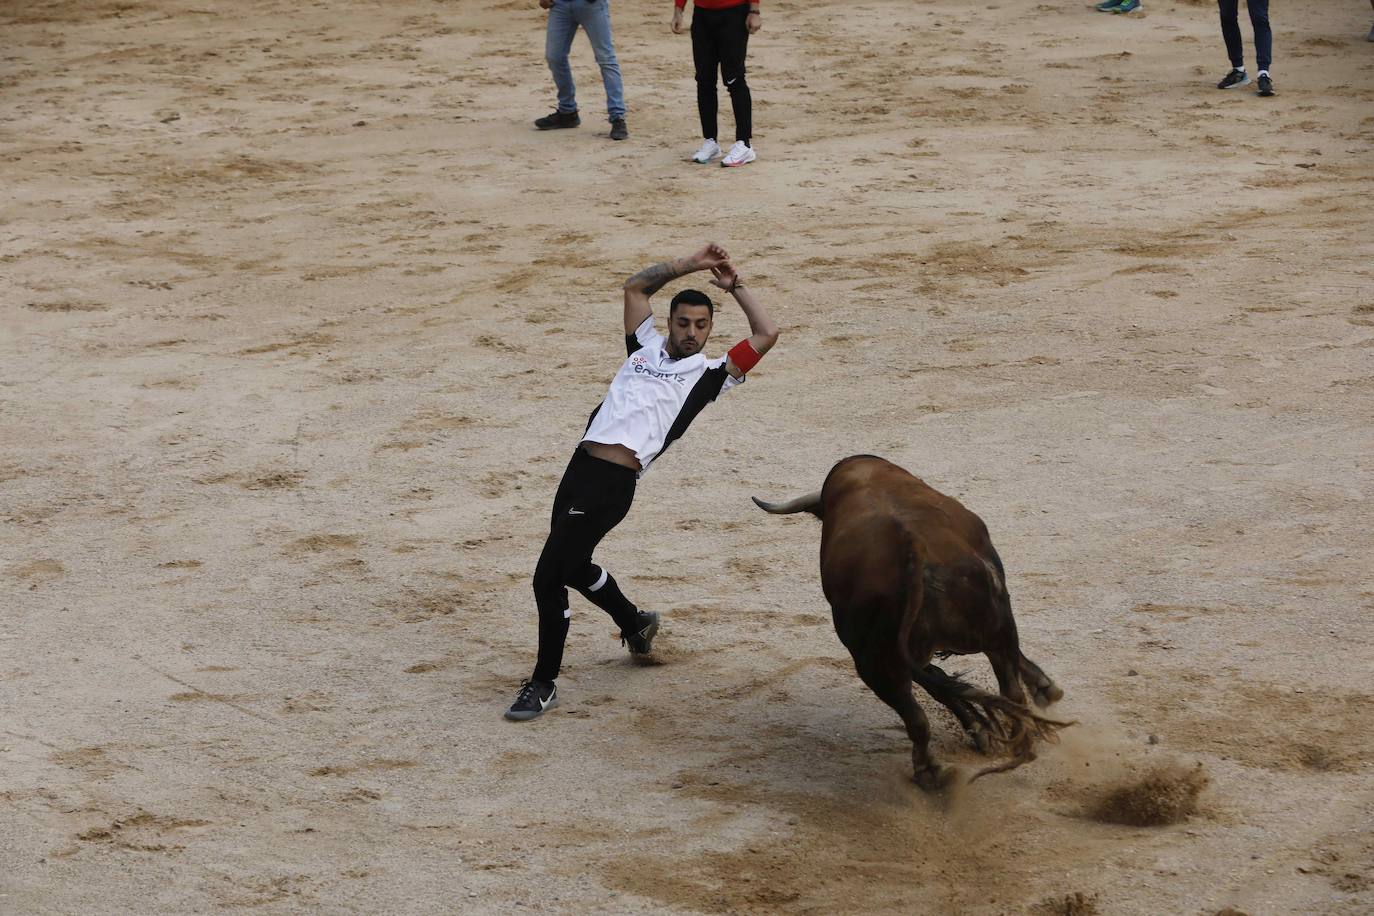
[(654, 398)]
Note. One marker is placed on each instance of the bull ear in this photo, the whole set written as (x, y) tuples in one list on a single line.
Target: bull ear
[(811, 502)]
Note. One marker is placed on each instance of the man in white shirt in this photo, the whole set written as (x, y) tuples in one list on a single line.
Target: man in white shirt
[(660, 388)]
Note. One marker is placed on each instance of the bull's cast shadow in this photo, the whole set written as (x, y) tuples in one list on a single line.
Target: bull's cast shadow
[(910, 574)]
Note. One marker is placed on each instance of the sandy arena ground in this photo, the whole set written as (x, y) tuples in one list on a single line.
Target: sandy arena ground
[(301, 320)]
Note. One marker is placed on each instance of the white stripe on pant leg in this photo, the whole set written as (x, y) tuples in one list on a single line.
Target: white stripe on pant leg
[(600, 582), (567, 612)]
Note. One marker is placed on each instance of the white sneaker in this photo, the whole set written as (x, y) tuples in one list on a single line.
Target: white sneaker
[(739, 155), (710, 149)]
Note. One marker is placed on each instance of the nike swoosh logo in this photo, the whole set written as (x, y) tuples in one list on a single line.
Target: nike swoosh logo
[(576, 512)]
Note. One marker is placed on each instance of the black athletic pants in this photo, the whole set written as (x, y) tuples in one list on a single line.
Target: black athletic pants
[(720, 39), (592, 498), (1230, 30)]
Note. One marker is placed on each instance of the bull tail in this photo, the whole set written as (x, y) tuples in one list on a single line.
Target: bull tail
[(811, 502), (1012, 725), (912, 591)]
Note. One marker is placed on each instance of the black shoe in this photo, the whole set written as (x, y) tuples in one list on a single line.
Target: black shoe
[(534, 697), (642, 642), (558, 119), (618, 129), (1266, 85), (1233, 79)]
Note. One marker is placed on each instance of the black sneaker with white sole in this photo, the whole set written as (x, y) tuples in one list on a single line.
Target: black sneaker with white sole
[(642, 640), (534, 697), (1233, 79), (1264, 85)]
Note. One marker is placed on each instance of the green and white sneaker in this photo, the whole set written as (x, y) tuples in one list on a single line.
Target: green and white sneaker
[(1107, 6), (1236, 77), (710, 149)]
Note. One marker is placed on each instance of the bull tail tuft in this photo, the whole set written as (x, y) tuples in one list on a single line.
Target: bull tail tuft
[(1012, 725), (811, 502)]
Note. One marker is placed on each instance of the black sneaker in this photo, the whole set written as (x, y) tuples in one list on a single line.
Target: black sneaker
[(642, 642), (1266, 85), (618, 129), (1233, 79), (558, 119), (534, 697)]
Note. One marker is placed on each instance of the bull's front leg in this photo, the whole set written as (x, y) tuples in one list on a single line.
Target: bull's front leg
[(891, 681)]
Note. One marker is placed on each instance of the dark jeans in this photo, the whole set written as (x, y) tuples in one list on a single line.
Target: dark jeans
[(1259, 20), (592, 498), (720, 39)]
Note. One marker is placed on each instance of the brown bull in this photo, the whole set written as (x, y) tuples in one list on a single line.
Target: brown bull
[(910, 573)]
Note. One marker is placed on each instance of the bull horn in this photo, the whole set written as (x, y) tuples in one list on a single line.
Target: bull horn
[(811, 502)]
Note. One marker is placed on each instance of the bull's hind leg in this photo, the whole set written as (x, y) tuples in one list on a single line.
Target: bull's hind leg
[(1043, 690), (889, 679), (975, 724), (1007, 667)]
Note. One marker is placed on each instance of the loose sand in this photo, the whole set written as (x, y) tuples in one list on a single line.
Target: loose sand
[(301, 320)]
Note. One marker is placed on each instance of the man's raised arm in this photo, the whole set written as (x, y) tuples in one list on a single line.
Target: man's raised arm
[(650, 280), (763, 333)]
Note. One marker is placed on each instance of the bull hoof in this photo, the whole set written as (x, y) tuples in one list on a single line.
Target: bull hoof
[(1047, 694), (936, 778)]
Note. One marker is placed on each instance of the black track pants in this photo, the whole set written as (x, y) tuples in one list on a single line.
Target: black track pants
[(1230, 31), (720, 39), (592, 498)]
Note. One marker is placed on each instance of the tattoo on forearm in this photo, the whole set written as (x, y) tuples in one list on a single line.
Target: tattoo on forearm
[(653, 279)]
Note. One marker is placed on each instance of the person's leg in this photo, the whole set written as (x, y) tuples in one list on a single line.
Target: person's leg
[(706, 61), (734, 45), (1230, 31), (550, 593), (558, 39), (598, 586), (593, 498), (551, 599), (595, 19), (1264, 38)]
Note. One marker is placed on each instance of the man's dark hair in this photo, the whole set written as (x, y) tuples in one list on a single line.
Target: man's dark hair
[(692, 297)]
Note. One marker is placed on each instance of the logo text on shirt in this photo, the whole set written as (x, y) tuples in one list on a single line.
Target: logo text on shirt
[(641, 369)]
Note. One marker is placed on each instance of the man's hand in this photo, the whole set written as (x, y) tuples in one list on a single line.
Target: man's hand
[(650, 280), (712, 256), (677, 21), (753, 22), (725, 276)]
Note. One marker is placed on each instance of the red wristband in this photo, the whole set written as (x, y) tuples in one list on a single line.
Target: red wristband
[(744, 356)]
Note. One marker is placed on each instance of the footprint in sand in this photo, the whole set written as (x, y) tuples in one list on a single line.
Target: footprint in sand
[(36, 572)]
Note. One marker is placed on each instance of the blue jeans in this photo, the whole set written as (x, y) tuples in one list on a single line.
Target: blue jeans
[(595, 18)]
